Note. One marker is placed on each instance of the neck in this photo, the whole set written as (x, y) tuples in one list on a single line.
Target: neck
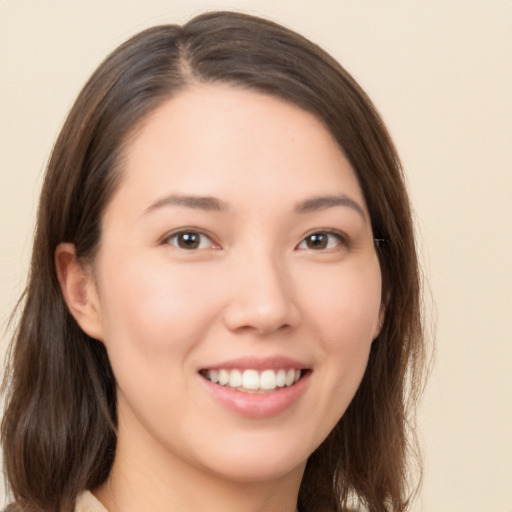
[(143, 479), (130, 493)]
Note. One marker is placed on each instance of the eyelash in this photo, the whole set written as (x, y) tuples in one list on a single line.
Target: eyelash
[(339, 240)]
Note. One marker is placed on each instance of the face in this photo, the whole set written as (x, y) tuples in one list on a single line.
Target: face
[(237, 286)]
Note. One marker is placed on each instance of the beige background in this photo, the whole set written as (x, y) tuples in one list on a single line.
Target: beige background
[(441, 73)]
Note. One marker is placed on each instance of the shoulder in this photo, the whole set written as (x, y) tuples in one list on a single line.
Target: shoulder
[(86, 502)]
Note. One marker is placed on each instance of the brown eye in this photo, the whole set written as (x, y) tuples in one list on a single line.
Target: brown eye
[(190, 240), (321, 240)]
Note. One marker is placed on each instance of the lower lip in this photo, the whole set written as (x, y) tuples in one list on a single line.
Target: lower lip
[(258, 405)]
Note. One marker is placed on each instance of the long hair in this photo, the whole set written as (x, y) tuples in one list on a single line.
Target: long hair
[(59, 428)]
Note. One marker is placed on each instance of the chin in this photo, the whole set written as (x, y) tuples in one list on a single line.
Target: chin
[(257, 459), (260, 469)]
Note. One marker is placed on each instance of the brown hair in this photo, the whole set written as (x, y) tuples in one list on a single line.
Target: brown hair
[(59, 428)]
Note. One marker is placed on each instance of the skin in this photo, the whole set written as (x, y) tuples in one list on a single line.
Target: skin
[(256, 286)]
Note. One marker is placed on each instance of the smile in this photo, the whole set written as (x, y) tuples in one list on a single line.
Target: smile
[(253, 381)]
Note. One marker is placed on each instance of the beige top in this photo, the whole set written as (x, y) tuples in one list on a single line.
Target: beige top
[(86, 502)]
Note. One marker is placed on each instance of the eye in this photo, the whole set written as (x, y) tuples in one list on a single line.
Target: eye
[(190, 240), (322, 240)]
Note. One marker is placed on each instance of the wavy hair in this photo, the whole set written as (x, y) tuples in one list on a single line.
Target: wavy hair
[(59, 428)]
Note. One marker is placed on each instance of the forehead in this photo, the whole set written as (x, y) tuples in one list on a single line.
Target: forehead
[(230, 142)]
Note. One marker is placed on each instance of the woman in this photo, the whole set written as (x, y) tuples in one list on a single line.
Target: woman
[(223, 305)]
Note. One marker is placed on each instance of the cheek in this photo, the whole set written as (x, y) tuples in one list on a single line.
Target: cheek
[(344, 311), (155, 308), (345, 303), (153, 322)]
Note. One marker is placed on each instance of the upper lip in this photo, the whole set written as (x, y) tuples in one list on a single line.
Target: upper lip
[(259, 363)]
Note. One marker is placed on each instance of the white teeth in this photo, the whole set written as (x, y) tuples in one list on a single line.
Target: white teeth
[(268, 379), (235, 378), (223, 377), (252, 380), (214, 376)]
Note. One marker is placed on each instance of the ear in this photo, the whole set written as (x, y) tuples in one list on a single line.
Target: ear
[(380, 322), (79, 290)]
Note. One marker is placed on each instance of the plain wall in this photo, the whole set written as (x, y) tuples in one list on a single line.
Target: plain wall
[(441, 74)]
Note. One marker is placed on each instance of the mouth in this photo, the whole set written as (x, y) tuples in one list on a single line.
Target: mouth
[(254, 381)]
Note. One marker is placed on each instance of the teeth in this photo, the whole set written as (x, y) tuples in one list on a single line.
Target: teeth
[(252, 380), (235, 379), (268, 379), (223, 377)]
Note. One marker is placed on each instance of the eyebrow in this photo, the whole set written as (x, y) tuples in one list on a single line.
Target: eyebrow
[(208, 203), (324, 202), (205, 203)]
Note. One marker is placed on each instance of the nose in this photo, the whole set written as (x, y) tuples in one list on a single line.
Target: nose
[(261, 298)]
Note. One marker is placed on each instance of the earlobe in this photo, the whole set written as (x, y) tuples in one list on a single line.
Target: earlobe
[(79, 291), (380, 321)]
